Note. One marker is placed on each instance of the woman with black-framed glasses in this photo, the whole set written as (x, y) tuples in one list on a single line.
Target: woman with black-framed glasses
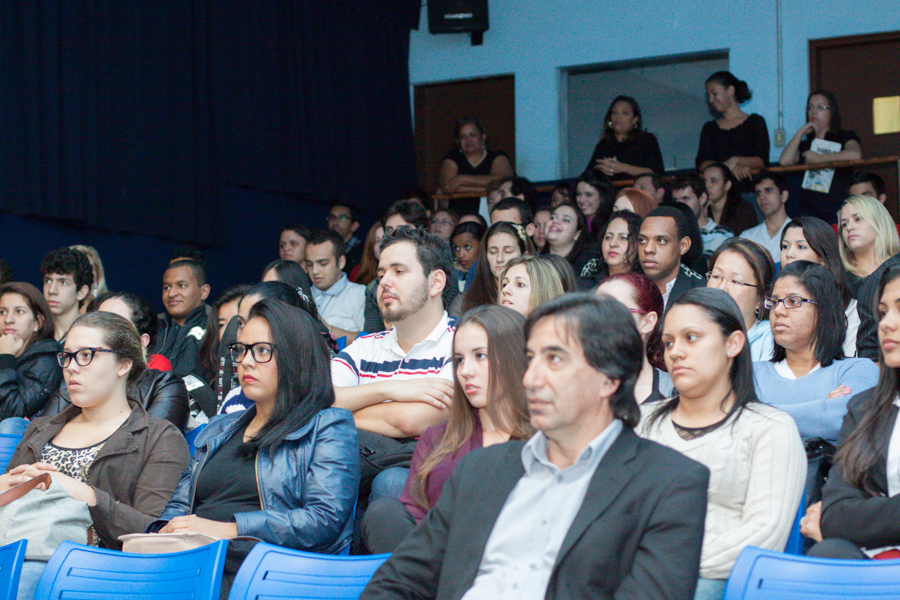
[(105, 450), (808, 376), (286, 470)]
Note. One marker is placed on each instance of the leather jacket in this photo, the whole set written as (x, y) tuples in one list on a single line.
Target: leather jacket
[(307, 486), (27, 382)]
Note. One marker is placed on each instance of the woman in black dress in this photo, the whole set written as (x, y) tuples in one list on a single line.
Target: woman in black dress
[(625, 150), (471, 166)]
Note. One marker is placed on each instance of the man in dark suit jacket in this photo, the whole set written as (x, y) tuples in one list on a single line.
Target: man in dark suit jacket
[(586, 508), (663, 242)]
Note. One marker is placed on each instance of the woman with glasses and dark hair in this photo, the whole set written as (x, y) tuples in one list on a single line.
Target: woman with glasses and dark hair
[(105, 450), (823, 122), (286, 470), (625, 150), (808, 376), (753, 451)]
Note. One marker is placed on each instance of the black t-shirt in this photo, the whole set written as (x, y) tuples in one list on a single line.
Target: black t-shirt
[(750, 138), (641, 150), (227, 483), (464, 167)]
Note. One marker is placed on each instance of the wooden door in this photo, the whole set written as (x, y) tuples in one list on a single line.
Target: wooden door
[(856, 70), (437, 107)]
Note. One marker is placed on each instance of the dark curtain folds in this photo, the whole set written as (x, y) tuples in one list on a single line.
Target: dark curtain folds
[(131, 116)]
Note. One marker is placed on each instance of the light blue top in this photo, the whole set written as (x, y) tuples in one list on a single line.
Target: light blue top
[(805, 399), (762, 344)]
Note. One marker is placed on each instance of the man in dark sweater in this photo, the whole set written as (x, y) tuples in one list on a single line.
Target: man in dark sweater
[(183, 292)]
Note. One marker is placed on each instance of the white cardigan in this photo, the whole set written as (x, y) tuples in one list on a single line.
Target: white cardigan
[(757, 470)]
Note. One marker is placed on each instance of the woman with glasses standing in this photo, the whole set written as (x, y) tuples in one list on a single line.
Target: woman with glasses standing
[(823, 122), (286, 470), (808, 377)]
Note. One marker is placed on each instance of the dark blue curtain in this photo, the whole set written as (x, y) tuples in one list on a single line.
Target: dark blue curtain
[(131, 116)]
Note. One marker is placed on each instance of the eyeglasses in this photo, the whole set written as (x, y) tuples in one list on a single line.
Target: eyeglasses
[(637, 311), (341, 218), (262, 351), (717, 279), (791, 302), (82, 357), (817, 107)]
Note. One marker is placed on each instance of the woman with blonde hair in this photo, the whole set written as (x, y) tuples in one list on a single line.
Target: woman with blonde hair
[(528, 282), (868, 237)]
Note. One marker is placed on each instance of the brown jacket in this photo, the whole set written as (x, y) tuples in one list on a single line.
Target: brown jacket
[(133, 475)]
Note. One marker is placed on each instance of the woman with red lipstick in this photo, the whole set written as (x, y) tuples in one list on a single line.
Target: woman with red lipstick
[(863, 490), (488, 408), (823, 122), (868, 237), (753, 451), (29, 373)]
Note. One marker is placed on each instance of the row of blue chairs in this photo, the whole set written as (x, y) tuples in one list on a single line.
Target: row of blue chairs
[(76, 571)]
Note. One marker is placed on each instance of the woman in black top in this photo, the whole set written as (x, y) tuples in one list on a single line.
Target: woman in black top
[(471, 166), (823, 122), (625, 150), (739, 140)]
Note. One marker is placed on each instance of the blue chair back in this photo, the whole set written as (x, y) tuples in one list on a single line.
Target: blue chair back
[(766, 575), (274, 572), (8, 445), (76, 571), (11, 557), (190, 436), (795, 540)]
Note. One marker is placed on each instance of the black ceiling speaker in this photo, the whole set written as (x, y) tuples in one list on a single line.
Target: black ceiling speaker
[(457, 16)]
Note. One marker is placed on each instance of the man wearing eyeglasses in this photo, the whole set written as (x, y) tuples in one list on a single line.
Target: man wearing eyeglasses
[(343, 221), (771, 196)]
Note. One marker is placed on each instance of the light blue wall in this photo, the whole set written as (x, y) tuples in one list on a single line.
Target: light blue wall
[(533, 39)]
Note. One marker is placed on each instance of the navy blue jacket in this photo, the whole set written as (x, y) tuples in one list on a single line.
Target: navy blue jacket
[(307, 490)]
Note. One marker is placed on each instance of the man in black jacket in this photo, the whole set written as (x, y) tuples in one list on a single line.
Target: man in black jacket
[(183, 293)]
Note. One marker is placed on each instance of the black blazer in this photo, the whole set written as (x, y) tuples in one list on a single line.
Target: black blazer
[(850, 513), (637, 534)]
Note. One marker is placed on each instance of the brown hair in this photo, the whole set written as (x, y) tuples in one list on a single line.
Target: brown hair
[(120, 335), (506, 406), (39, 308), (368, 265), (546, 282)]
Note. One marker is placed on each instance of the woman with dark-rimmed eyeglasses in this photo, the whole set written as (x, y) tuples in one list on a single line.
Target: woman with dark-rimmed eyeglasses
[(286, 470), (808, 376)]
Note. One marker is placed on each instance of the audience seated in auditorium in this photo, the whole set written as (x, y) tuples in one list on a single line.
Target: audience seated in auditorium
[(862, 490), (398, 383), (734, 138), (663, 240), (340, 303), (367, 270), (625, 150), (594, 196), (636, 201), (67, 278), (99, 286), (292, 243), (641, 297), (466, 242), (618, 250), (105, 450), (690, 191), (342, 220), (568, 236), (864, 183), (868, 238), (541, 219), (502, 242), (488, 408), (183, 291), (745, 270), (823, 125), (726, 207), (810, 238), (29, 374), (286, 470), (609, 502), (771, 196), (442, 222), (753, 451), (527, 282), (808, 376)]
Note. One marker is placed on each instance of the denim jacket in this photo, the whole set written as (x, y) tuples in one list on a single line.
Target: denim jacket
[(307, 489)]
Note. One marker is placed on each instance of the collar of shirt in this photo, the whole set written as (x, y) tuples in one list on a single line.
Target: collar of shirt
[(444, 325), (535, 458), (782, 368), (339, 286)]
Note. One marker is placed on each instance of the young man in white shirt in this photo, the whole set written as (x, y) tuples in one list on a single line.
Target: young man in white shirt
[(771, 196)]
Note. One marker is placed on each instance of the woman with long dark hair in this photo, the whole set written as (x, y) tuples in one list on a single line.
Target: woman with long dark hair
[(862, 491), (625, 150), (489, 407), (642, 297), (286, 471), (618, 250), (753, 451), (568, 236), (593, 195), (726, 207)]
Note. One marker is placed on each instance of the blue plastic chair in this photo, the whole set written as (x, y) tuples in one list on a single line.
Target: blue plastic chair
[(11, 557), (191, 435), (8, 445), (766, 575), (795, 539), (76, 571), (275, 572)]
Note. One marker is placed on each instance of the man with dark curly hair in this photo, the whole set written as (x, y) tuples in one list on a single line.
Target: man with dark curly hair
[(67, 277)]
